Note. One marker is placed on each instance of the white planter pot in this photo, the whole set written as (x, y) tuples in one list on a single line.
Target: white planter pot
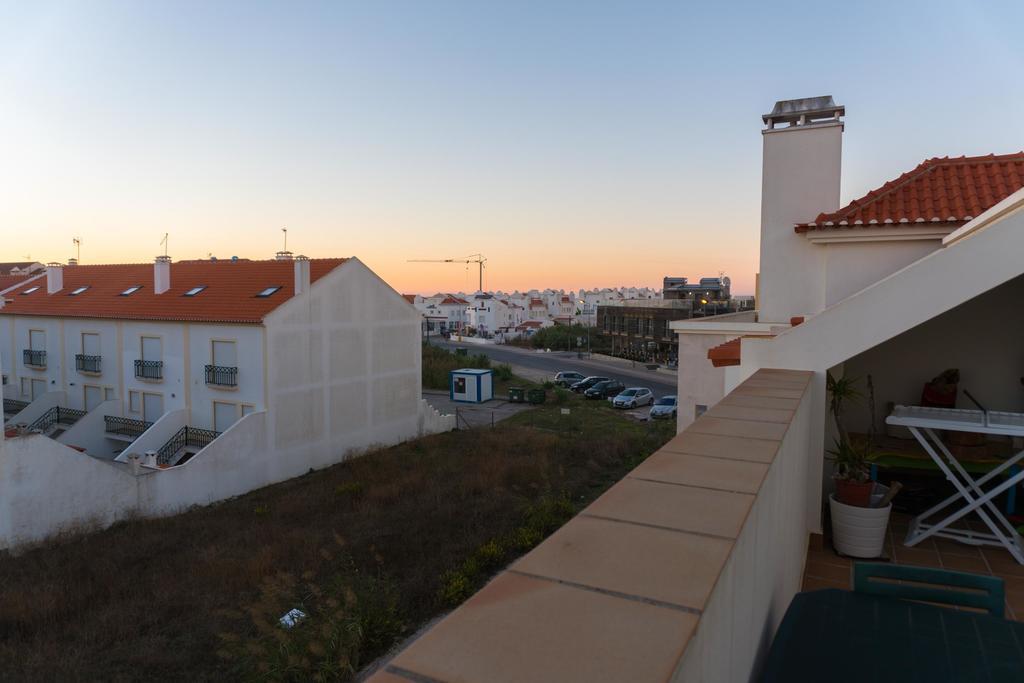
[(857, 531)]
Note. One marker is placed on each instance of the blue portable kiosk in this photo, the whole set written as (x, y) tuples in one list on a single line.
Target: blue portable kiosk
[(471, 385)]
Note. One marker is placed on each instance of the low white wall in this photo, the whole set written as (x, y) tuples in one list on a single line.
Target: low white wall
[(46, 488), (432, 421), (763, 572), (90, 431), (34, 410), (235, 462), (157, 435)]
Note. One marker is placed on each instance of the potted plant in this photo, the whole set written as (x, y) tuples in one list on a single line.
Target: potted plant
[(858, 527)]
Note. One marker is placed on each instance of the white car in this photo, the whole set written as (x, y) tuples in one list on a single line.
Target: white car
[(634, 397), (664, 407)]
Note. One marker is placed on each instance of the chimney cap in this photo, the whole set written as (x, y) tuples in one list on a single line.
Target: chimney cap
[(804, 110), (54, 264), (163, 259), (283, 256), (300, 257), (72, 261)]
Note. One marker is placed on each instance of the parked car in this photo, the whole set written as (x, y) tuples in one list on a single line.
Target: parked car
[(605, 389), (664, 407), (567, 379), (634, 397), (586, 383)]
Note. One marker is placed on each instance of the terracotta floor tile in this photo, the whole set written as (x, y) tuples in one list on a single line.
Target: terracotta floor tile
[(920, 557), (1002, 562), (950, 547), (813, 584), (974, 565), (827, 557), (829, 572)]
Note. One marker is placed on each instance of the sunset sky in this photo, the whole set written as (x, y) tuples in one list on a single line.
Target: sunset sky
[(575, 144)]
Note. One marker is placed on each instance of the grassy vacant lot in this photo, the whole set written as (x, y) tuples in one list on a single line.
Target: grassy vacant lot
[(370, 549)]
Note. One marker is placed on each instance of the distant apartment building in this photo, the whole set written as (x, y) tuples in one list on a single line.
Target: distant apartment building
[(153, 387)]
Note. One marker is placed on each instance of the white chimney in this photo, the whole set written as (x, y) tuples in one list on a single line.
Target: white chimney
[(72, 261), (301, 274), (54, 277), (283, 256), (800, 175), (162, 274)]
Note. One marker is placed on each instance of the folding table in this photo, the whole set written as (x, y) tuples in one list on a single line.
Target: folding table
[(923, 423)]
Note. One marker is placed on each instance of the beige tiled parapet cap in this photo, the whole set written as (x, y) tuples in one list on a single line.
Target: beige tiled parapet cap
[(618, 592)]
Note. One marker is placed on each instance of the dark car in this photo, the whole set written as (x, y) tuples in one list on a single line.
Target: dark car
[(585, 384), (605, 389), (567, 379)]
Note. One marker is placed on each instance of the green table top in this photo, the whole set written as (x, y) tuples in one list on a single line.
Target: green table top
[(838, 636)]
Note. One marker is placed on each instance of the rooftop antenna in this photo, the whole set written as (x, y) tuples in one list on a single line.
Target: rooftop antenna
[(165, 241), (78, 249), (285, 231)]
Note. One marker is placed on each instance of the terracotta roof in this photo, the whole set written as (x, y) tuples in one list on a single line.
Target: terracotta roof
[(229, 294), (453, 300), (537, 303), (940, 190), (725, 354), (7, 281)]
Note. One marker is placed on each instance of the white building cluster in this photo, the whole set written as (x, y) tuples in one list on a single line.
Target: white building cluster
[(145, 388), (508, 315)]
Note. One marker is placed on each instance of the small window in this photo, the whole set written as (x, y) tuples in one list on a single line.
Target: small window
[(269, 291), (131, 290), (195, 290), (134, 402), (78, 291), (30, 290)]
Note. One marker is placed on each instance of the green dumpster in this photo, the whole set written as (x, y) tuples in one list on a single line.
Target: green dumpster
[(536, 396), (516, 395)]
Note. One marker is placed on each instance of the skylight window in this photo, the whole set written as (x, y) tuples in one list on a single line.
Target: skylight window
[(30, 290), (269, 291), (78, 291), (195, 290), (131, 290)]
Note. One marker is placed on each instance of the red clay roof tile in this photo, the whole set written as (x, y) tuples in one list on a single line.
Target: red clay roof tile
[(725, 354), (939, 190), (229, 296)]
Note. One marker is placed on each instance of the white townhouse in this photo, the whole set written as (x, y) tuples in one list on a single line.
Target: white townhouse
[(204, 378), (816, 255)]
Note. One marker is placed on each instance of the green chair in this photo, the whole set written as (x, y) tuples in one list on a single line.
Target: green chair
[(924, 584)]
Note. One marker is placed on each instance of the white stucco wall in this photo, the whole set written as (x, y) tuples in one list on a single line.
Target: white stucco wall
[(700, 382), (46, 487), (251, 363), (344, 369), (800, 179), (852, 266)]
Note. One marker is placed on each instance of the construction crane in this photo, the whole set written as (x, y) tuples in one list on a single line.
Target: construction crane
[(472, 258)]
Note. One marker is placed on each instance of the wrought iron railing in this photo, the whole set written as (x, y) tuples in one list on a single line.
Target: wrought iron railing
[(34, 357), (13, 406), (149, 369), (222, 375), (125, 426), (186, 436), (87, 363), (55, 415)]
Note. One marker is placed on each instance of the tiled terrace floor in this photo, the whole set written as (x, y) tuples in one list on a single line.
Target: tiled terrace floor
[(826, 569)]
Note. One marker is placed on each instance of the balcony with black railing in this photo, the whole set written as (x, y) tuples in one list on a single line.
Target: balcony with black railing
[(125, 426), (34, 358), (87, 363), (57, 415), (222, 376), (186, 437), (149, 369), (13, 406)]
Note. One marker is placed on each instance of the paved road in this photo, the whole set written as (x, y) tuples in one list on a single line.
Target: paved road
[(547, 364)]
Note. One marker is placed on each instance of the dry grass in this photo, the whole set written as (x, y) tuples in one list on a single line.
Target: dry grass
[(157, 599)]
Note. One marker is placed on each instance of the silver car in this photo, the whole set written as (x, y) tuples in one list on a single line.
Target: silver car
[(664, 407), (634, 397)]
